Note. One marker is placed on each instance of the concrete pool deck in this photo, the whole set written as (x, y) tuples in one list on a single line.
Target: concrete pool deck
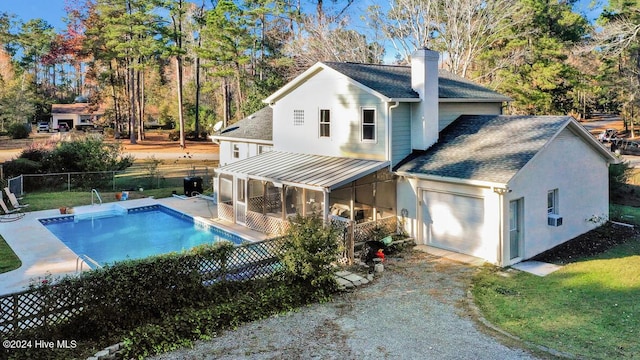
[(42, 253)]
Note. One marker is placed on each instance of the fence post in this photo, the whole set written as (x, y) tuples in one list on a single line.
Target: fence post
[(69, 182), (350, 242), (113, 180)]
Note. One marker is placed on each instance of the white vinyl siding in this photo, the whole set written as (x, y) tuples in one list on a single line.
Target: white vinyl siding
[(401, 132), (448, 112), (328, 90)]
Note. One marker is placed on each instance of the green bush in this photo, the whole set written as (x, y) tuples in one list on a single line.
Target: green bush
[(159, 304), (20, 166), (19, 131), (310, 249), (86, 154)]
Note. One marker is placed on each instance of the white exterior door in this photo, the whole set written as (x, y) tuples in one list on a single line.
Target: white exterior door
[(515, 230), (452, 221)]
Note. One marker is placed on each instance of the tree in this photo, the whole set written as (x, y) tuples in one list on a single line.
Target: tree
[(619, 40), (227, 43), (131, 32), (177, 11), (531, 65)]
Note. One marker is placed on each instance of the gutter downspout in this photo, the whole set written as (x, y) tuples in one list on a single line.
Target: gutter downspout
[(390, 133)]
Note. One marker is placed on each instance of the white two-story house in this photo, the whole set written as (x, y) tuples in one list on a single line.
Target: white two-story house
[(368, 142)]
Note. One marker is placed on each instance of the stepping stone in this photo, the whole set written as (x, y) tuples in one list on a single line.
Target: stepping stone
[(343, 283)]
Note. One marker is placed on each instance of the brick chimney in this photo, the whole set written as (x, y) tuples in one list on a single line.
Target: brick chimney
[(424, 81)]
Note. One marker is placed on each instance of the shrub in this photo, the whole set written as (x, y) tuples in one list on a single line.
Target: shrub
[(160, 303), (310, 249), (21, 166), (19, 131), (619, 174), (174, 135)]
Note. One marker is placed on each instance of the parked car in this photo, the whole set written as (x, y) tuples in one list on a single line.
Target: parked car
[(43, 127), (608, 135), (626, 147), (63, 127)]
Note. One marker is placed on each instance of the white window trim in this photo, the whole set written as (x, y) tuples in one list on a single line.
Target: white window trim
[(374, 125), (320, 123), (235, 146), (554, 208)]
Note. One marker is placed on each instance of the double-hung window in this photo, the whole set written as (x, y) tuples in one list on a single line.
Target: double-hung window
[(236, 151), (368, 124), (325, 123), (552, 202)]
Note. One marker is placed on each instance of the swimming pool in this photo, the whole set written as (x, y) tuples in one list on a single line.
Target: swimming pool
[(116, 233)]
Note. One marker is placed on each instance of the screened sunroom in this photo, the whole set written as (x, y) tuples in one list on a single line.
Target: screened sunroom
[(262, 192)]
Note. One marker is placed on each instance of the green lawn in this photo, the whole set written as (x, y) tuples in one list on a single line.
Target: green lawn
[(589, 308), (624, 213), (8, 259), (53, 200)]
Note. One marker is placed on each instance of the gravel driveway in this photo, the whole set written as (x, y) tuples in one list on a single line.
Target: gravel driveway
[(415, 309)]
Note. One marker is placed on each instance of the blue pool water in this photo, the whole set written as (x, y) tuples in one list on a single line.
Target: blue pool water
[(133, 234)]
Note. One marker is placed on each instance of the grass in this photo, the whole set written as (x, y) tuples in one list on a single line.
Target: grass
[(588, 309), (8, 259), (625, 213), (54, 200)]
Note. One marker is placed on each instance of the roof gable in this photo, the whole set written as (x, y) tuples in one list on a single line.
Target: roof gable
[(257, 126), (393, 83), (489, 148)]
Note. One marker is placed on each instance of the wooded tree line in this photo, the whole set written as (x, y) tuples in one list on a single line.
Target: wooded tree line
[(195, 63)]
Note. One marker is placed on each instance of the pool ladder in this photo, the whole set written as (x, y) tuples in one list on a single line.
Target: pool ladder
[(85, 259), (97, 195)]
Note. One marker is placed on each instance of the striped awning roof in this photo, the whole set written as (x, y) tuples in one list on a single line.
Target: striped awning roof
[(317, 172)]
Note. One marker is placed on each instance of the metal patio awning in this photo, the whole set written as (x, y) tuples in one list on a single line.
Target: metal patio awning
[(316, 172)]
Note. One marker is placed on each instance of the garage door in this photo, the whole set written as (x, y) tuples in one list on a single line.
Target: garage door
[(451, 221)]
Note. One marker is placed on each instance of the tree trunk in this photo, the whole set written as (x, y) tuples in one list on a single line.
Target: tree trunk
[(180, 112), (132, 104)]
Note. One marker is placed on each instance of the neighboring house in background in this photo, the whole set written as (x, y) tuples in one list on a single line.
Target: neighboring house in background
[(366, 142), (77, 116)]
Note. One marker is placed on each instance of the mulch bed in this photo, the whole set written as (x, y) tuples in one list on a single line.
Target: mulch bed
[(591, 243), (598, 240)]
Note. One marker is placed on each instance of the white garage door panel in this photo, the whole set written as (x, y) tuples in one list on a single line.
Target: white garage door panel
[(453, 221)]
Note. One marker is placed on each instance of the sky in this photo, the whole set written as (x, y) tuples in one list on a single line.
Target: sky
[(50, 10), (53, 10)]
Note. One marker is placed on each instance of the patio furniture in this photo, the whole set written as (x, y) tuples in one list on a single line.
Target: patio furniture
[(10, 215), (13, 199)]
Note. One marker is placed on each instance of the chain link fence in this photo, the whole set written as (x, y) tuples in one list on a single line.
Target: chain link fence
[(133, 178)]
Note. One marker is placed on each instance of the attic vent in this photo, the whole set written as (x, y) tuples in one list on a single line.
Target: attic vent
[(298, 117)]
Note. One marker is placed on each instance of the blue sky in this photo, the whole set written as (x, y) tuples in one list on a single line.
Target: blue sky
[(50, 10), (53, 10)]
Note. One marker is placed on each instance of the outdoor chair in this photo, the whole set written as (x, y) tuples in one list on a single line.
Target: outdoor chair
[(13, 199), (10, 215)]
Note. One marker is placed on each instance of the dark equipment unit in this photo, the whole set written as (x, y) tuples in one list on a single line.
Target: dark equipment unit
[(192, 186)]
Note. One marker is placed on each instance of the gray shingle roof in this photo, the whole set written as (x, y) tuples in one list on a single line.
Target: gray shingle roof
[(485, 147), (394, 81), (257, 126)]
